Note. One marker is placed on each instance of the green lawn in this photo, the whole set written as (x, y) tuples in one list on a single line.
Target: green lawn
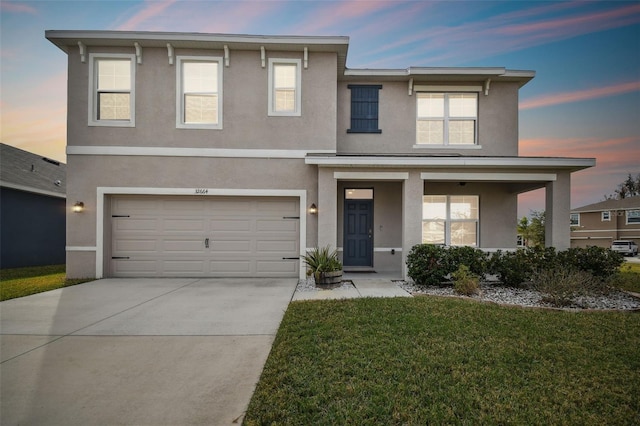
[(21, 282), (629, 277), (430, 360)]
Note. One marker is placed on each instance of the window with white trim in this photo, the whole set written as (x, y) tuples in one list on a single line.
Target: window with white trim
[(574, 219), (606, 216), (112, 90), (285, 80), (446, 118), (633, 217), (199, 92), (450, 220)]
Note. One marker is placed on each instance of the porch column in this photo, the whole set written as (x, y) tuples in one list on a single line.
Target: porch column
[(557, 232), (413, 190), (327, 208)]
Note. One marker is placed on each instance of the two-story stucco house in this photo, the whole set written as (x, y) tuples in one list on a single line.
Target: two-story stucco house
[(600, 224), (230, 155)]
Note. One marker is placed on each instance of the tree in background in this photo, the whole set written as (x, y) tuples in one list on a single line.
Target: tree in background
[(629, 188), (532, 229)]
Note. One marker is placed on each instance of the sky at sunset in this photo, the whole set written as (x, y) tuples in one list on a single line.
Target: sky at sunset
[(584, 101)]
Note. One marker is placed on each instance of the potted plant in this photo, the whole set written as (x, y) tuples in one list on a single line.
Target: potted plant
[(325, 267)]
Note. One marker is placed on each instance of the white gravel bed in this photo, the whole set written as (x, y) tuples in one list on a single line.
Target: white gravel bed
[(617, 300)]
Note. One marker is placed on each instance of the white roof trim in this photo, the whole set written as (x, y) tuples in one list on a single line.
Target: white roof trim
[(193, 152), (25, 188), (491, 177), (480, 162), (371, 175)]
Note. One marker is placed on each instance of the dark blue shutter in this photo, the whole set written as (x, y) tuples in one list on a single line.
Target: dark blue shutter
[(364, 108)]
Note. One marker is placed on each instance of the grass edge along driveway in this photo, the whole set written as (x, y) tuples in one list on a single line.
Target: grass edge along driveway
[(431, 360), (20, 282)]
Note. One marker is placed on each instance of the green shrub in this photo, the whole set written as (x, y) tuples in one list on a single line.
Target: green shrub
[(475, 259), (513, 268), (465, 282), (599, 261), (561, 284), (427, 265)]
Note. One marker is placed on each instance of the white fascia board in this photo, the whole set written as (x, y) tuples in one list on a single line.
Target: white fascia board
[(491, 177), (192, 152), (32, 190), (72, 37), (371, 175), (497, 71), (364, 72), (480, 162)]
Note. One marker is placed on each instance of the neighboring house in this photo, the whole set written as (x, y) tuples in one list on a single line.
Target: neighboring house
[(230, 155), (32, 209), (602, 223)]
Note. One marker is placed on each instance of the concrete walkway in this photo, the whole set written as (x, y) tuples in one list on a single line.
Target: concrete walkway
[(138, 351), (362, 287)]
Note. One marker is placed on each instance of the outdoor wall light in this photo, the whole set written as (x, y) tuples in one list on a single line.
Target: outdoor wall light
[(78, 207), (313, 209)]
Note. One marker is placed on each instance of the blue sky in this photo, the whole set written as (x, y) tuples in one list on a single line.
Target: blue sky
[(584, 101)]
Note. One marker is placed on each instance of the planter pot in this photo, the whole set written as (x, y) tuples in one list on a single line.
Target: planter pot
[(329, 280)]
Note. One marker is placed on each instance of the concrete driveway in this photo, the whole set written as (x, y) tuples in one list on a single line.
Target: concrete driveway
[(138, 351)]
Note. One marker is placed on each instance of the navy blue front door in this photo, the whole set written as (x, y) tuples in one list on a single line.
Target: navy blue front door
[(358, 233)]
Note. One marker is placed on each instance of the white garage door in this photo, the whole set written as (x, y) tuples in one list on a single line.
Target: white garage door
[(181, 236)]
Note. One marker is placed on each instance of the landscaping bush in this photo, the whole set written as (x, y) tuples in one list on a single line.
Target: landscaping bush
[(427, 265), (513, 268), (465, 282), (599, 261), (561, 284), (475, 259)]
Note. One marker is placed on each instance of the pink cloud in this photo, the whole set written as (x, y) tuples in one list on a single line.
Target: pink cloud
[(151, 10), (10, 7), (332, 13), (582, 95), (506, 32)]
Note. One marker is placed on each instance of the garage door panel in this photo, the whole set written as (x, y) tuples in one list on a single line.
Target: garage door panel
[(167, 236), (183, 246), (266, 267), (180, 267), (132, 224), (275, 246), (221, 246), (136, 246), (229, 225), (180, 225), (290, 225), (229, 268), (136, 268)]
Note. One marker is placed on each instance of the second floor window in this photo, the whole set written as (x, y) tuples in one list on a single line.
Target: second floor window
[(112, 80), (199, 102), (284, 87), (446, 118), (574, 219)]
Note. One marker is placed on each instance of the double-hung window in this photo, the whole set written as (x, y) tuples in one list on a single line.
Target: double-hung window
[(447, 119), (111, 90), (574, 219), (364, 108), (605, 216), (285, 81), (633, 217), (199, 92), (450, 220)]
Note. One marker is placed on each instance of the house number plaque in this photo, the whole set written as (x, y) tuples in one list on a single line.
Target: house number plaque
[(201, 191)]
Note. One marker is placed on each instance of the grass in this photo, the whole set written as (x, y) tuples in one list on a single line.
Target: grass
[(430, 360), (21, 282), (629, 277)]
